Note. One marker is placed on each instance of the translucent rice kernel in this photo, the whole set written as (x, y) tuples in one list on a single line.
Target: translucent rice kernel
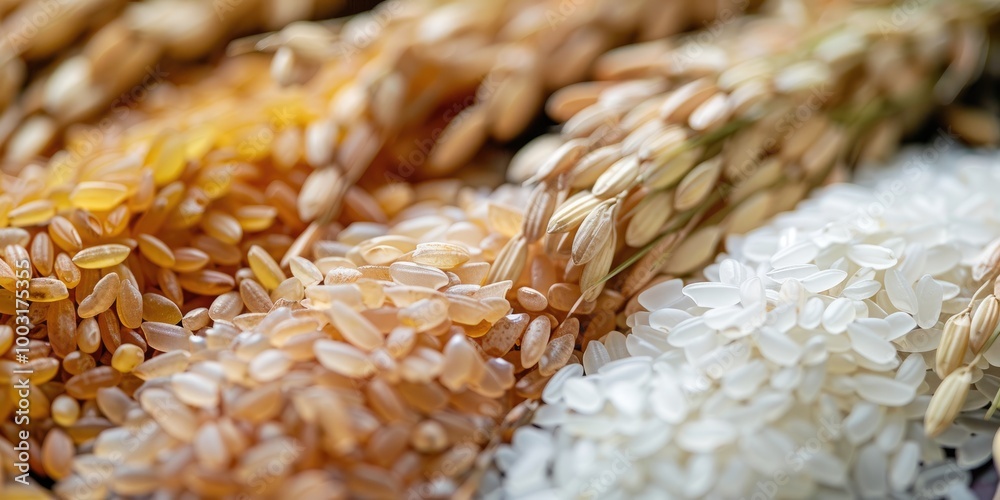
[(32, 213), (424, 314), (66, 270), (254, 218), (127, 357), (440, 255), (129, 305), (408, 273), (101, 256), (46, 290), (64, 234), (85, 385), (58, 450), (156, 251), (265, 268), (166, 158), (223, 227), (157, 308), (98, 196), (165, 337), (269, 365), (65, 410), (104, 295), (429, 437), (188, 260), (205, 282)]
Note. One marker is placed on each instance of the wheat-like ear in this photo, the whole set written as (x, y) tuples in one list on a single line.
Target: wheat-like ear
[(67, 62), (717, 145)]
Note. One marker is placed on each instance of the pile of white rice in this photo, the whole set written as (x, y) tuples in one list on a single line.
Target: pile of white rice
[(796, 366)]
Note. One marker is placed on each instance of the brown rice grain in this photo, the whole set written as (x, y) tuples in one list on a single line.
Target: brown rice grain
[(88, 336), (255, 297), (110, 330), (160, 309), (535, 340), (166, 337), (156, 251), (189, 259), (556, 354), (101, 256), (14, 236), (42, 254), (265, 268), (163, 365), (57, 454), (223, 227), (85, 385), (203, 282), (504, 334), (65, 410), (78, 362), (127, 357), (104, 295), (46, 290), (65, 270), (62, 330), (129, 305), (193, 320)]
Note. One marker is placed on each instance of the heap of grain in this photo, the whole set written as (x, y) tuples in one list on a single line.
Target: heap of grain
[(161, 246), (147, 220)]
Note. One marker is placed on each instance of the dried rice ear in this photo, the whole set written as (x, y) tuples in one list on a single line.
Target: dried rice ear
[(92, 62), (988, 262), (705, 149), (505, 93)]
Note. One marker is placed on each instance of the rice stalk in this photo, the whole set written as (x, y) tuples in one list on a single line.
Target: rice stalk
[(687, 140), (64, 62)]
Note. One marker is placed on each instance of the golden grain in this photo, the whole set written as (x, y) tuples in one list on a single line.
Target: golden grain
[(101, 256), (954, 344), (984, 322), (103, 296), (947, 401)]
